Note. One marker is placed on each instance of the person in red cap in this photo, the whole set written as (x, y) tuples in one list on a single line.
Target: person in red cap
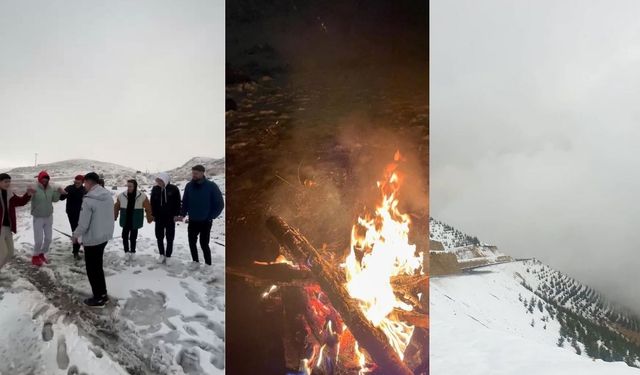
[(42, 211), (75, 193)]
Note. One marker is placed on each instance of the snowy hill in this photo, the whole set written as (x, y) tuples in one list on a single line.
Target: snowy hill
[(63, 172), (213, 167), (523, 317), (469, 251), (449, 236)]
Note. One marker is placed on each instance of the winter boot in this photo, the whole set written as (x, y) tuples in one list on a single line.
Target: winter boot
[(36, 261), (44, 259), (97, 302)]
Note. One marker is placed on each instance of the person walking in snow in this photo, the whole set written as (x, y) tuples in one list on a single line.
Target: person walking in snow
[(75, 193), (42, 211), (8, 203), (165, 208), (131, 206), (94, 231), (202, 202)]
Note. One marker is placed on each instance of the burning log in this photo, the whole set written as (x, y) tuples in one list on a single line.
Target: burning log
[(370, 337), (411, 284), (408, 287), (279, 274), (282, 274), (413, 318)]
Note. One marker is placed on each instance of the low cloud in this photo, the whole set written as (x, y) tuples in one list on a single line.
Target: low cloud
[(534, 132)]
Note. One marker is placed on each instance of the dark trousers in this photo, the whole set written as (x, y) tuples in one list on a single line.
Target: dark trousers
[(202, 229), (129, 237), (93, 260), (165, 227), (74, 217)]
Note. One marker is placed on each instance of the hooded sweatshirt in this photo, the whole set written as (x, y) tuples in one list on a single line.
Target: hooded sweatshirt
[(96, 225), (165, 203), (44, 197)]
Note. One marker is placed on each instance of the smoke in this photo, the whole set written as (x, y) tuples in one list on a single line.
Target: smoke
[(357, 74), (535, 137), (344, 171)]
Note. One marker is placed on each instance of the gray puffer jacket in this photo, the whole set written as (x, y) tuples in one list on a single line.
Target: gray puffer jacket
[(96, 225)]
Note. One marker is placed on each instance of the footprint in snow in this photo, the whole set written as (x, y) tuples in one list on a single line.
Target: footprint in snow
[(47, 331), (190, 330), (96, 351), (189, 360), (62, 357), (41, 310), (215, 327)]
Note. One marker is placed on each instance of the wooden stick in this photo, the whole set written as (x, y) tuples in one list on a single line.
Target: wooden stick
[(370, 338)]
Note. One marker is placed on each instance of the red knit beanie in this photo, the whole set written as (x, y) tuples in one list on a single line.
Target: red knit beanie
[(43, 175)]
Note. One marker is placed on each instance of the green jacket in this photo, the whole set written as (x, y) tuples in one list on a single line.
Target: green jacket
[(42, 201), (141, 207)]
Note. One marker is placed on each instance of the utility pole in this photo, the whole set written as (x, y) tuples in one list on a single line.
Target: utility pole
[(36, 160)]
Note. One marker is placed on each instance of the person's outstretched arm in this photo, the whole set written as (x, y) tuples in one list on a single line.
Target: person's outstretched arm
[(147, 208), (65, 195), (21, 200), (116, 209)]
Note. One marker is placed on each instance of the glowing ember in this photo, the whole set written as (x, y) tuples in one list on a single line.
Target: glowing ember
[(380, 249), (281, 259), (271, 290)]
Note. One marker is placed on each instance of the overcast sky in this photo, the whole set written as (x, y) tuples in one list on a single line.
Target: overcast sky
[(138, 83), (535, 132)]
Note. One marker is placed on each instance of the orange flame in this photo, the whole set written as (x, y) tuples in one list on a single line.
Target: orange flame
[(380, 249)]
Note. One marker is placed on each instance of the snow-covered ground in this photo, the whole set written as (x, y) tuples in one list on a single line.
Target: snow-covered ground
[(479, 325), (162, 319)]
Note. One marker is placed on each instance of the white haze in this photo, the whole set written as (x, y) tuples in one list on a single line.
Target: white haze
[(535, 132)]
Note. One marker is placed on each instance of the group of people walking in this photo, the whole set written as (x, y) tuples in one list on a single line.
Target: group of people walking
[(92, 213)]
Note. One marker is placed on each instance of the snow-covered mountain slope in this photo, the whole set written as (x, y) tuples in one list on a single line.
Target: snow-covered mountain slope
[(449, 236), (64, 171), (212, 166), (526, 318), (469, 251)]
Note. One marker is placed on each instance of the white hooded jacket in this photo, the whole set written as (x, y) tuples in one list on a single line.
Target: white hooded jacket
[(96, 223)]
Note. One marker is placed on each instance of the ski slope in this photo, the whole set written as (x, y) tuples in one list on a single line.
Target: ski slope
[(162, 319), (484, 322)]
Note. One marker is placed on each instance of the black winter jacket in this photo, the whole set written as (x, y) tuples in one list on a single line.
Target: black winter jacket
[(74, 198), (162, 210)]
